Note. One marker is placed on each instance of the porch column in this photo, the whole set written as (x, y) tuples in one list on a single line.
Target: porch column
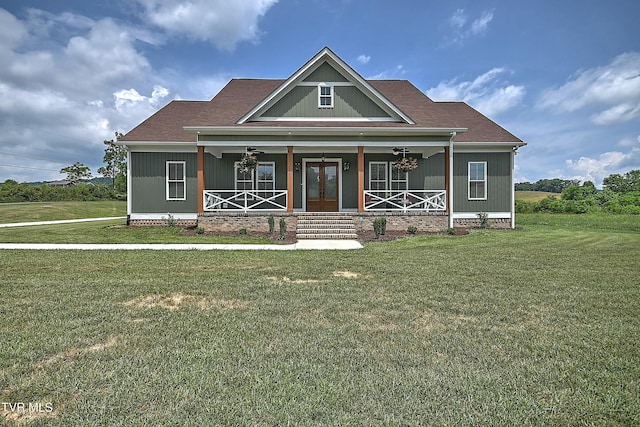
[(289, 178), (200, 176), (360, 179), (446, 179), (450, 179)]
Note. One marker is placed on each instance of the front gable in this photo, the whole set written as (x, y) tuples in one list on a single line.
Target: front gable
[(326, 89)]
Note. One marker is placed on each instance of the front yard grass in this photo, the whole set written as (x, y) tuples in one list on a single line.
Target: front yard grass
[(50, 211), (536, 326)]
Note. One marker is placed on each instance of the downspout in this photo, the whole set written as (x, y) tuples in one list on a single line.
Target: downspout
[(129, 185), (513, 189), (450, 178)]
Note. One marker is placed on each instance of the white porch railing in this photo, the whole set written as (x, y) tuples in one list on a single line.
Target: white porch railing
[(405, 200), (245, 200)]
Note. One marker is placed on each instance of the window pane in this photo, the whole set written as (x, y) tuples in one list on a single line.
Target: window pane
[(265, 172), (325, 90), (476, 171)]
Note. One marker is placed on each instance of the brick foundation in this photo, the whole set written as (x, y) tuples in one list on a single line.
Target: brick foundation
[(425, 223), (499, 223), (252, 222)]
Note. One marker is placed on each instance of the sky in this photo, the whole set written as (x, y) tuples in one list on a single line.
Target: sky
[(564, 76)]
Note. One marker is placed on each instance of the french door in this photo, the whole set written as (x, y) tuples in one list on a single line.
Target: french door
[(322, 186)]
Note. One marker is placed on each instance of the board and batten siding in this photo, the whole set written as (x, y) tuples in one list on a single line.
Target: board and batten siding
[(302, 101), (148, 183), (498, 183)]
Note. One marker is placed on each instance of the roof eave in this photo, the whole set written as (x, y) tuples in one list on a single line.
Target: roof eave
[(324, 130)]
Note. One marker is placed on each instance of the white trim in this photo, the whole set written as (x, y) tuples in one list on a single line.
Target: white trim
[(183, 180), (129, 183), (345, 69), (314, 84), (326, 119), (137, 216), (304, 178), (322, 96), (484, 181), (323, 130), (491, 215), (513, 190)]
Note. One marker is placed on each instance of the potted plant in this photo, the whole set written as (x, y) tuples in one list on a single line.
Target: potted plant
[(247, 163), (406, 164)]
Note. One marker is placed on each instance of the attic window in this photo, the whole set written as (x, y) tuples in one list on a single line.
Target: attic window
[(325, 96)]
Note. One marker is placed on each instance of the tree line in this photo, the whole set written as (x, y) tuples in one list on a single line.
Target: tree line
[(620, 195), (76, 186)]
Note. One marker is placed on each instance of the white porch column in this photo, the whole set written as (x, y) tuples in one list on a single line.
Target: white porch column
[(450, 178)]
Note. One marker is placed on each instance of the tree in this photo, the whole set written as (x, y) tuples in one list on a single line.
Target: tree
[(623, 184), (76, 172), (115, 159)]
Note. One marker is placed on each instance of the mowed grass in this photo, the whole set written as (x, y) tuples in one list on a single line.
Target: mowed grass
[(537, 326), (50, 211)]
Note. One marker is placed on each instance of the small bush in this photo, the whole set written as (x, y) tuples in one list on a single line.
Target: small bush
[(243, 232), (484, 220), (412, 229), (283, 229), (379, 226), (451, 231), (272, 224), (199, 231)]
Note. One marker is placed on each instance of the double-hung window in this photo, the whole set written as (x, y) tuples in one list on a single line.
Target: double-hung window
[(383, 176), (261, 180), (477, 180), (176, 188), (325, 96)]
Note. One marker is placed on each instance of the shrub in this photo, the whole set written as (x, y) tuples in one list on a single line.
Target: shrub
[(412, 229), (452, 231), (199, 230), (272, 223), (243, 231), (379, 226), (484, 220), (283, 229)]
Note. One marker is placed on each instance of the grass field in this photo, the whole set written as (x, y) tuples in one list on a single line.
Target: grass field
[(49, 211), (536, 326), (534, 196)]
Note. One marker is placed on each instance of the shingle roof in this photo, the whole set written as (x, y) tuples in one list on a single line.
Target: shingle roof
[(239, 96)]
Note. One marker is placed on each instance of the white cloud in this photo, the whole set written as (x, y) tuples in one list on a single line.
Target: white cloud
[(613, 89), (481, 24), (487, 92), (394, 73), (596, 168), (222, 22), (364, 59), (461, 29)]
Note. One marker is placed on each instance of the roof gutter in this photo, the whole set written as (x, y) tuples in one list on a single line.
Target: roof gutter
[(319, 130)]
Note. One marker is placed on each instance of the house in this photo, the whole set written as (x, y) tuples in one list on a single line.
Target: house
[(322, 140)]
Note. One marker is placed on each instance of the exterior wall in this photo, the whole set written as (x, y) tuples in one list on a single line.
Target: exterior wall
[(498, 182), (219, 173), (428, 176), (325, 73), (148, 183), (252, 222), (302, 101), (429, 223)]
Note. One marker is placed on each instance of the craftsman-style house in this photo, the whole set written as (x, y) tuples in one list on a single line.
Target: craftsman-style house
[(322, 140)]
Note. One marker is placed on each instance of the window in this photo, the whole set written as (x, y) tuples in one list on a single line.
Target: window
[(399, 179), (265, 179), (377, 175), (477, 180), (261, 179), (325, 96), (176, 181)]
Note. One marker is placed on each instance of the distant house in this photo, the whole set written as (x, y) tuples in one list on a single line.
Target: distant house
[(323, 140)]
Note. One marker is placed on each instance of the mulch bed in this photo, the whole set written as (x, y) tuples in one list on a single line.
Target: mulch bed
[(290, 237)]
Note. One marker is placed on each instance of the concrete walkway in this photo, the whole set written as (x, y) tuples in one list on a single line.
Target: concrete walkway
[(61, 221), (300, 245)]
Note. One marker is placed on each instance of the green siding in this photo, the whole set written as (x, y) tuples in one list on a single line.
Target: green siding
[(498, 182), (325, 73), (148, 183), (428, 176), (302, 101)]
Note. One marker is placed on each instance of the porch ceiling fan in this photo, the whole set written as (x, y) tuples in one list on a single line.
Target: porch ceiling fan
[(397, 151), (253, 151)]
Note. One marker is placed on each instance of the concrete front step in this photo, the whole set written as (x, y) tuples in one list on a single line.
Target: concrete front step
[(327, 236), (326, 227)]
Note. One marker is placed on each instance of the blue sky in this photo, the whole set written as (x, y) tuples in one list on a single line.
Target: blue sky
[(564, 76)]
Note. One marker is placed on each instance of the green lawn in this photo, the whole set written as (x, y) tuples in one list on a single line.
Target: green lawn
[(537, 326), (49, 211)]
